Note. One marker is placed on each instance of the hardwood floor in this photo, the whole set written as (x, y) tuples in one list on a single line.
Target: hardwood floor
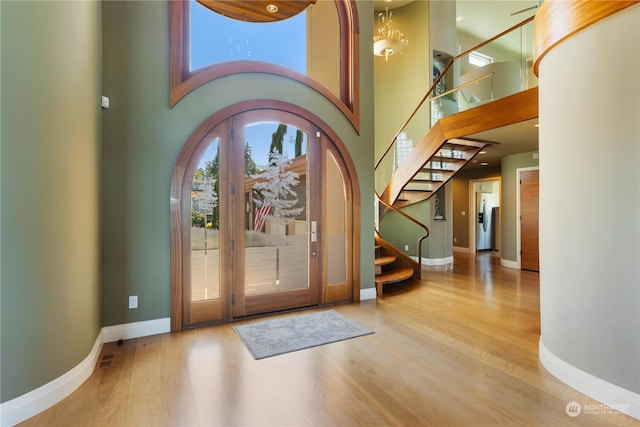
[(458, 348)]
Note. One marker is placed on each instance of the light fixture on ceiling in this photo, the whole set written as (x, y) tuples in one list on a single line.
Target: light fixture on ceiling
[(389, 40), (272, 8)]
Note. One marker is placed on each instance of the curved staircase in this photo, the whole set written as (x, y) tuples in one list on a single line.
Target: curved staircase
[(392, 266), (439, 154)]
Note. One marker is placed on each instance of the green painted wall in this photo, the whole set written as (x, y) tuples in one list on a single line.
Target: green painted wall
[(50, 309), (460, 189), (143, 136), (402, 81), (399, 231), (510, 164), (85, 192), (440, 240)]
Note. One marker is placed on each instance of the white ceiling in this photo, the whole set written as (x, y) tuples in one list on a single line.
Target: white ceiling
[(484, 19)]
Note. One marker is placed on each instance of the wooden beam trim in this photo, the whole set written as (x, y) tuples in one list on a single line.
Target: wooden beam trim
[(183, 81), (556, 21)]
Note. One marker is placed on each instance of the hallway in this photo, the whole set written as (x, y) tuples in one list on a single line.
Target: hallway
[(458, 348)]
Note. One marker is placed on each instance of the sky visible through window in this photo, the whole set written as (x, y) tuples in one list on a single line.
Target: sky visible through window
[(259, 138), (215, 39)]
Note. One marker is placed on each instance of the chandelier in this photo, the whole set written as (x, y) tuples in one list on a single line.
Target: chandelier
[(389, 39)]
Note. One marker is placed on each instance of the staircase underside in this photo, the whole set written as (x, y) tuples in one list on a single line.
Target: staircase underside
[(450, 130)]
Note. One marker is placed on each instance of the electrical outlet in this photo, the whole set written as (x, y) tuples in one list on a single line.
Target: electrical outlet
[(104, 102), (406, 247), (133, 301), (455, 240)]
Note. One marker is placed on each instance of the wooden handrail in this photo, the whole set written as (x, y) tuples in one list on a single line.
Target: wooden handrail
[(415, 221), (556, 21), (442, 73)]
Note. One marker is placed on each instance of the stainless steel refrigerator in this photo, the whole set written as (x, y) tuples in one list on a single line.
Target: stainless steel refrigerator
[(486, 221)]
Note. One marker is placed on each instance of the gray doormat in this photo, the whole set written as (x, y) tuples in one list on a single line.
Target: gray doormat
[(284, 335)]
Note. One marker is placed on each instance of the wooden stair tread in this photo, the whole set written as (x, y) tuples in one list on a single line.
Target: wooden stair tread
[(435, 170), (395, 275), (424, 181), (448, 159), (384, 260)]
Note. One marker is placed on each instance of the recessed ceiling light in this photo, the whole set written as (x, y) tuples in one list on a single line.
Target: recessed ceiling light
[(484, 164), (482, 152), (272, 8)]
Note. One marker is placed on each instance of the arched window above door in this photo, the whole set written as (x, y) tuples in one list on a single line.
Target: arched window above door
[(331, 60)]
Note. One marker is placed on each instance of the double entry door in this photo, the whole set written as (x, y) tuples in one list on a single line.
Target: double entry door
[(269, 220)]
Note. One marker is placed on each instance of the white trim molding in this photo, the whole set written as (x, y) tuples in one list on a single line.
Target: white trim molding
[(367, 293), (435, 261), (23, 407), (509, 264), (136, 329), (611, 395)]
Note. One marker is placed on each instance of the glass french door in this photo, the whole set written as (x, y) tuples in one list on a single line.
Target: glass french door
[(270, 215), (278, 233)]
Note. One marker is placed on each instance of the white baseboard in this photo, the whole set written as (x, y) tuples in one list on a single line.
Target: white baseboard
[(509, 264), (461, 249), (611, 395), (23, 407), (368, 293), (435, 261), (136, 330)]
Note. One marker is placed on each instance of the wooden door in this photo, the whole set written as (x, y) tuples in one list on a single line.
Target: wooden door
[(276, 238), (529, 220), (231, 257)]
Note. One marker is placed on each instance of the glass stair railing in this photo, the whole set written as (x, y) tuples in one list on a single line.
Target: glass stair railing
[(424, 154)]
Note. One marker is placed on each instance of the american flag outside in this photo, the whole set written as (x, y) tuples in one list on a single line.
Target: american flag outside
[(260, 217)]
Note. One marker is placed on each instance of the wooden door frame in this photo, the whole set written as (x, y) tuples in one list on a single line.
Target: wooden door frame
[(473, 213), (518, 213), (177, 195), (256, 304)]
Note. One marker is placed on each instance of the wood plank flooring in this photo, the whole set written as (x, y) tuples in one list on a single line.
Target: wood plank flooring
[(458, 348)]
